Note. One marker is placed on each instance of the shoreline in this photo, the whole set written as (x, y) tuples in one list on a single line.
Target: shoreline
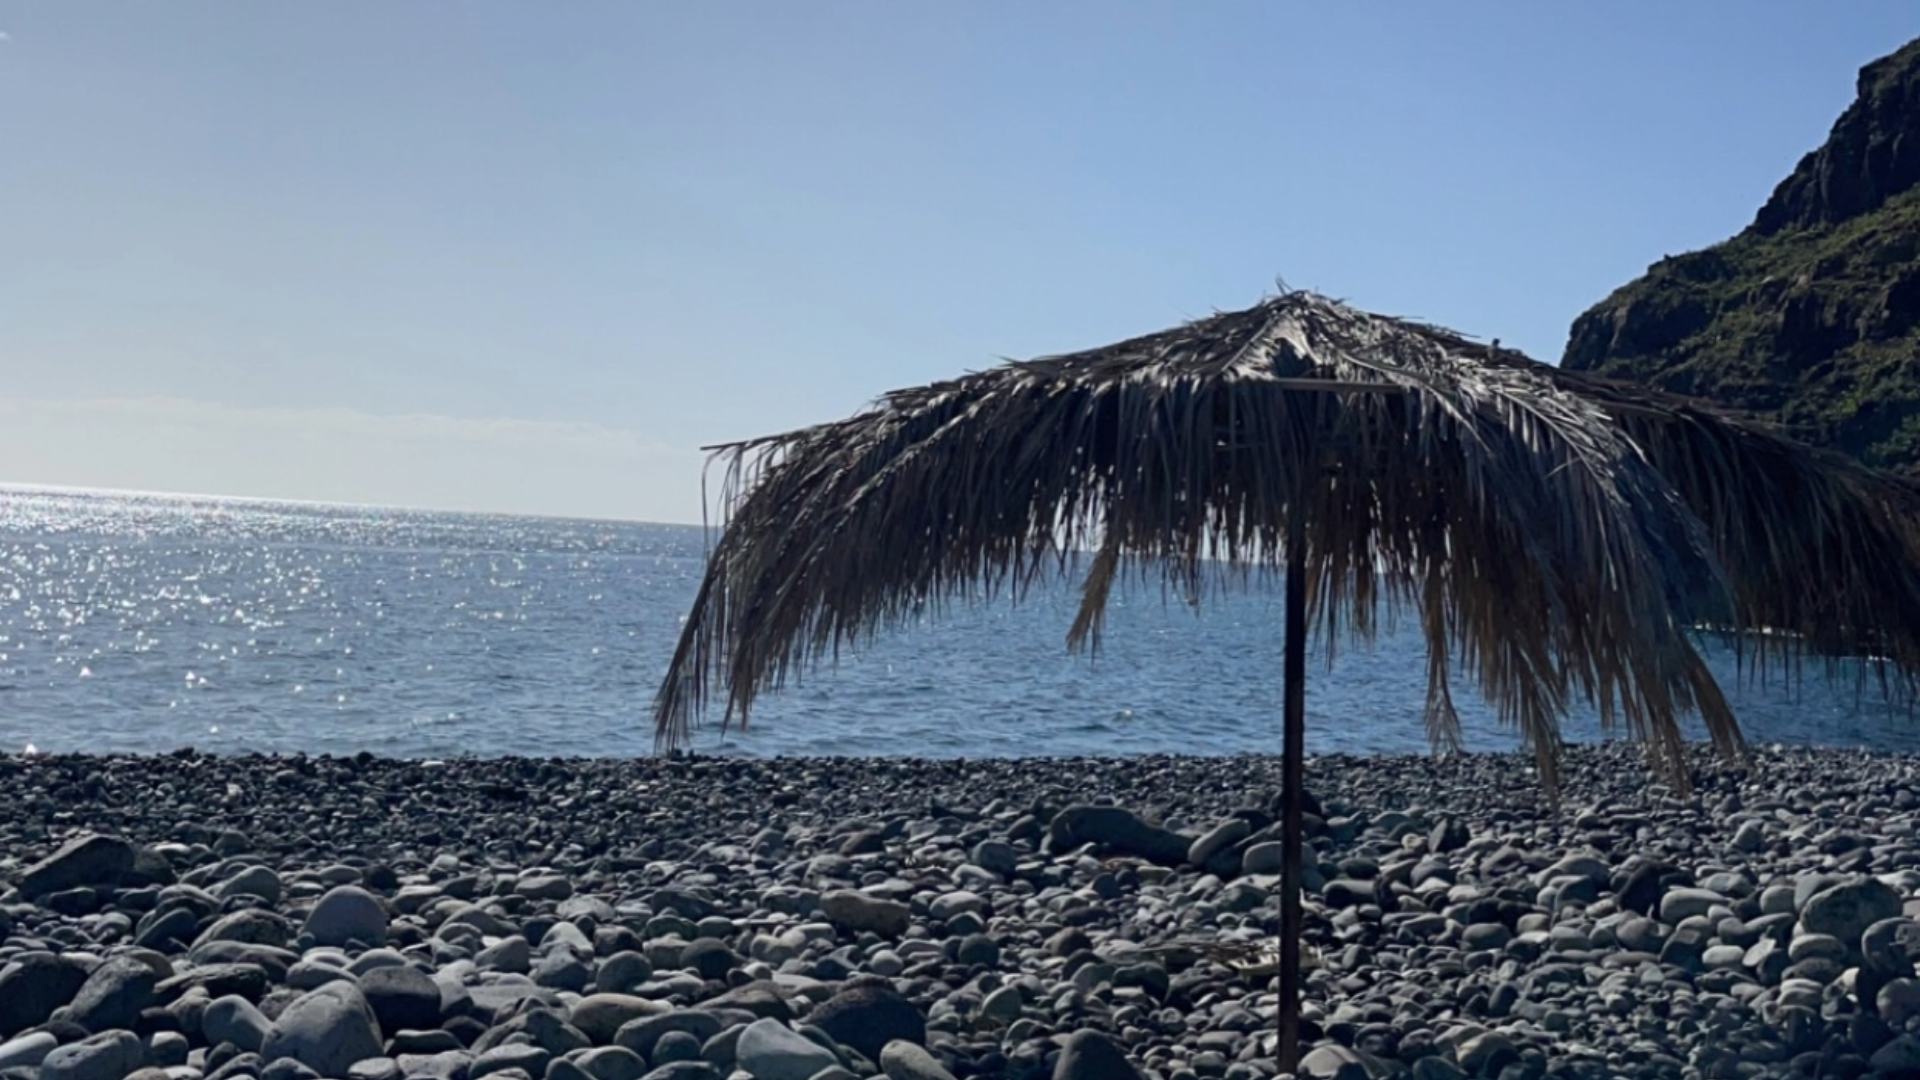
[(1607, 747), (1463, 924)]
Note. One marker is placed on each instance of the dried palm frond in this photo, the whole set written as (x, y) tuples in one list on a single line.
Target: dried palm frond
[(1554, 534)]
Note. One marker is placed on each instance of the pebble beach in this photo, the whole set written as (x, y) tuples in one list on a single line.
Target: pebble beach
[(200, 917)]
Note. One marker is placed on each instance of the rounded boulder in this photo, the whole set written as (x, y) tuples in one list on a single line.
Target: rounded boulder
[(347, 913), (327, 1030)]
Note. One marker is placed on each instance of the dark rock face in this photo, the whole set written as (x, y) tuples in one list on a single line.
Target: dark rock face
[(1811, 315), (1870, 157)]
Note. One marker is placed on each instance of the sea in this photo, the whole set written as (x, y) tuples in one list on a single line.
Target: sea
[(146, 623)]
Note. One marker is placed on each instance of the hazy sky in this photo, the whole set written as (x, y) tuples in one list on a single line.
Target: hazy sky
[(530, 257)]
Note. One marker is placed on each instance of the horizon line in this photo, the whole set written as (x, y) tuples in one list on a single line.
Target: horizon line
[(10, 486)]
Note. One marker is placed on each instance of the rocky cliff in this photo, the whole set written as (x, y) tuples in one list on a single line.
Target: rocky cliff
[(1811, 315)]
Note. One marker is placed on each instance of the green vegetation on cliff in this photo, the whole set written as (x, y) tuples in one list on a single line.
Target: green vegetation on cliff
[(1811, 315)]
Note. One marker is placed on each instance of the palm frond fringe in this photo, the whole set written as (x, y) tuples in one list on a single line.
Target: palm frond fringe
[(1555, 533)]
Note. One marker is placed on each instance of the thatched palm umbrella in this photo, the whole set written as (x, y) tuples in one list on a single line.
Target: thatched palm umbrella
[(1555, 534)]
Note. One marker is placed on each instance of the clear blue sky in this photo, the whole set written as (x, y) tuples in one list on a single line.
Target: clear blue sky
[(529, 257)]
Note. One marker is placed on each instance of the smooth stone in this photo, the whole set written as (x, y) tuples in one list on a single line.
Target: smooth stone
[(511, 954), (978, 950), (689, 1070), (1437, 1068), (1685, 903), (566, 1069), (1218, 839), (1266, 857), (90, 860), (867, 1015), (949, 905), (529, 1059), (1090, 1055), (113, 995), (258, 881), (1484, 1054), (770, 1050), (640, 1035), (1580, 865), (165, 929), (1846, 910), (401, 997), (861, 913), (996, 856), (250, 926), (381, 1068), (902, 1060), (676, 1046), (1813, 946), (110, 1055), (216, 980), (1482, 937), (545, 887), (1723, 956), (432, 1041), (446, 1065), (710, 958), (762, 998), (508, 996), (1806, 885), (313, 974), (32, 987), (1448, 835), (610, 1063), (1777, 900), (1003, 1006), (478, 919), (549, 1030), (600, 1016), (26, 1050), (1343, 893), (234, 1019), (1890, 946), (326, 1030), (1637, 933), (621, 972), (565, 935), (592, 907), (1332, 1062), (347, 913), (1898, 1002), (168, 1050), (1117, 830), (1900, 1056), (375, 959), (288, 1069)]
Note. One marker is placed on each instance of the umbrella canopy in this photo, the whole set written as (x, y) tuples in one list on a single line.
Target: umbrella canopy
[(1556, 534)]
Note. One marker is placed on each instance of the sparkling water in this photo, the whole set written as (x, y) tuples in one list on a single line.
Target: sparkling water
[(150, 622)]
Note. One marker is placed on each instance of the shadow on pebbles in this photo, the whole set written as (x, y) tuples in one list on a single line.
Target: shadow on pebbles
[(691, 918)]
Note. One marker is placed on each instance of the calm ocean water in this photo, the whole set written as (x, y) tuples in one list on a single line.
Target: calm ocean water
[(150, 622)]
